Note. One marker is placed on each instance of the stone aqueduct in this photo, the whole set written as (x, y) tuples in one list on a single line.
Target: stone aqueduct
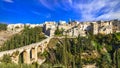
[(28, 52)]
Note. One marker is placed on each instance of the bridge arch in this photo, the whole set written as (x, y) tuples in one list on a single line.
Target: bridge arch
[(33, 54), (24, 57), (21, 58)]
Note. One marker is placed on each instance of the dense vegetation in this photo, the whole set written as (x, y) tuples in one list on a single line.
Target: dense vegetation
[(3, 26), (6, 59), (13, 65), (59, 32), (101, 50), (26, 37)]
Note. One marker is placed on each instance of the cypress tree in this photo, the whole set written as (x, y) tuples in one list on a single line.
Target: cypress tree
[(80, 49)]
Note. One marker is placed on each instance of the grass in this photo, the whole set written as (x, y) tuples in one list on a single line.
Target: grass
[(13, 65)]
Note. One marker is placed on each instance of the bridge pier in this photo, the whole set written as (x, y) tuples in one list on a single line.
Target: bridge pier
[(26, 56), (44, 46), (39, 48), (34, 54), (15, 59)]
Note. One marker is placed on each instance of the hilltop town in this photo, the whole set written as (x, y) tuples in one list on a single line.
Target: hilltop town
[(72, 28)]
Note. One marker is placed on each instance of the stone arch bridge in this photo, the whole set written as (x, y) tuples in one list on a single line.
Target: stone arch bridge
[(29, 52)]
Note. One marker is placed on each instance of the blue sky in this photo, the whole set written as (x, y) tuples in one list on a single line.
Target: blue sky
[(38, 11)]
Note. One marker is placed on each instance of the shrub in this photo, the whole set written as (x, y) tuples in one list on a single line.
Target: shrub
[(6, 58)]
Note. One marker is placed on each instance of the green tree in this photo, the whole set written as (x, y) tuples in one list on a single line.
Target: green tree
[(115, 44), (80, 41), (3, 26), (6, 58), (59, 31)]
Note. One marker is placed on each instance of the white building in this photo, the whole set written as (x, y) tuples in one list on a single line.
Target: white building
[(49, 28), (15, 27)]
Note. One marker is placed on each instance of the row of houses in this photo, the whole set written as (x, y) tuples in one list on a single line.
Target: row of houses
[(18, 27), (75, 28), (72, 28)]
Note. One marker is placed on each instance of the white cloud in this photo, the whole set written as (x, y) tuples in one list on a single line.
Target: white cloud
[(110, 15), (36, 12), (9, 1), (61, 4), (88, 11), (40, 14), (70, 1), (46, 4)]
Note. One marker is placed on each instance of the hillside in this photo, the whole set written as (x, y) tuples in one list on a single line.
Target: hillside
[(4, 34), (25, 37), (91, 51), (98, 51)]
